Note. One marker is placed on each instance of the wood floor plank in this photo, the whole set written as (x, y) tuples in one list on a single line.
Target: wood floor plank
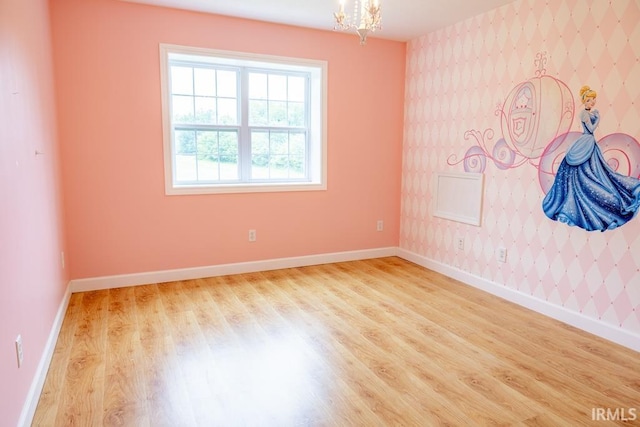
[(375, 342), (85, 366), (50, 396), (124, 394), (167, 400)]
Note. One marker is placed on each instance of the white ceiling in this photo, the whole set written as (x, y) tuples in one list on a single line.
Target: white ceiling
[(401, 19)]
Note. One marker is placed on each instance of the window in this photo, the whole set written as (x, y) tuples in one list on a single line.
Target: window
[(236, 122)]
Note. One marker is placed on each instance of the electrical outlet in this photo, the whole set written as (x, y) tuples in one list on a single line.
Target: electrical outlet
[(19, 354), (460, 242), (252, 235), (380, 225), (502, 254)]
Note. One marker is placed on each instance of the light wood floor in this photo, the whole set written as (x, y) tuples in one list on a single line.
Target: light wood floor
[(366, 343)]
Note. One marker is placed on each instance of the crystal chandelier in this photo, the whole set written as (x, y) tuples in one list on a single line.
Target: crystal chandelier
[(365, 18)]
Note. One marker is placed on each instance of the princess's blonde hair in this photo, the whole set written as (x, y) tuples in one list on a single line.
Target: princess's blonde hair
[(587, 92)]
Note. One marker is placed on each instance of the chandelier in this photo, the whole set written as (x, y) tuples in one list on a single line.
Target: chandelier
[(365, 18)]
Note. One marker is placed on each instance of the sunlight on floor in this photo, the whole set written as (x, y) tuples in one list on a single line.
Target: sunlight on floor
[(275, 380)]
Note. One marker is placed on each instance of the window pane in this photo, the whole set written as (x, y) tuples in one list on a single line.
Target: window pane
[(229, 137), (205, 110), (296, 89), (227, 111), (296, 114), (259, 142), (258, 113), (229, 170), (182, 107), (186, 168), (259, 155), (227, 86), (228, 153), (279, 143), (297, 143), (279, 166), (207, 143), (277, 113), (207, 170), (257, 86), (277, 87), (296, 167), (182, 80), (260, 166), (205, 81), (185, 141)]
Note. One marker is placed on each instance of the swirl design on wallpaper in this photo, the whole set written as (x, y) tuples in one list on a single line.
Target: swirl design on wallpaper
[(475, 158)]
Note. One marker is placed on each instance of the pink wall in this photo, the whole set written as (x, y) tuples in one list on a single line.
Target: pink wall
[(119, 219), (32, 281), (456, 79)]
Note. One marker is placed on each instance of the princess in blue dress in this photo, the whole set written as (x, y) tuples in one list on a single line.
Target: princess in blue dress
[(586, 192)]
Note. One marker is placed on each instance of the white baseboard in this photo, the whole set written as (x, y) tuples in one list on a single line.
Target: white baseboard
[(123, 280), (580, 321), (31, 402)]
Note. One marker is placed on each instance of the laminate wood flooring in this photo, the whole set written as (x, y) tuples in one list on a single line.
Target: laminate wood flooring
[(367, 343)]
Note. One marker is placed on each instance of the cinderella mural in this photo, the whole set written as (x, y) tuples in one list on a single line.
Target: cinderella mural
[(586, 192)]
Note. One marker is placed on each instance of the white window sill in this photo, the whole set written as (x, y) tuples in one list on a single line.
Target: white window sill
[(244, 188)]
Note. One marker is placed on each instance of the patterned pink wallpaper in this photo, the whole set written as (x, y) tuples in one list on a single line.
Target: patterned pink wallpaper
[(458, 80)]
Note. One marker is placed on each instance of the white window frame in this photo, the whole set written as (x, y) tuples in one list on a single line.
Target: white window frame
[(317, 126)]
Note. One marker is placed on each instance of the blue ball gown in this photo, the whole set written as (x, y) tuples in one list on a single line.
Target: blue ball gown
[(586, 192)]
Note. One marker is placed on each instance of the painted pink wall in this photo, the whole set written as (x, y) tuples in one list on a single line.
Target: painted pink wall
[(455, 79), (119, 219), (32, 281)]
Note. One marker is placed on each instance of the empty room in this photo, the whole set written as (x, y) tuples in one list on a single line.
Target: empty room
[(320, 213)]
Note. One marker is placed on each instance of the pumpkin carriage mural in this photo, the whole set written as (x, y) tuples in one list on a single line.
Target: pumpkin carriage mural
[(594, 185)]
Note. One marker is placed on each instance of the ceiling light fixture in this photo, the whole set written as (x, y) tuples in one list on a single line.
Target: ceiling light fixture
[(365, 18)]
